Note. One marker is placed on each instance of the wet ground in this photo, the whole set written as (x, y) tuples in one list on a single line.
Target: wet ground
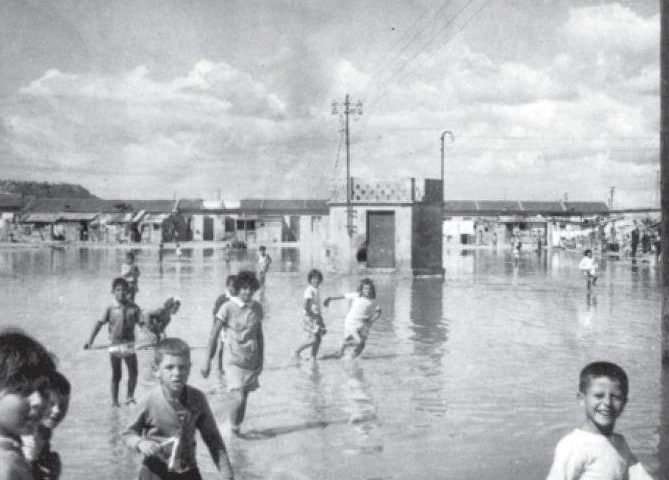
[(474, 377)]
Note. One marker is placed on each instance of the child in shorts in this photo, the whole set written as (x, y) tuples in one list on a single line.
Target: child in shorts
[(122, 317), (312, 322), (46, 464), (130, 272), (263, 264), (25, 368), (589, 267), (158, 319), (163, 426), (594, 450), (243, 351), (360, 317)]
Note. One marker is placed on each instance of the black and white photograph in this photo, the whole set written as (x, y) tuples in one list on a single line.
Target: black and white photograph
[(323, 240)]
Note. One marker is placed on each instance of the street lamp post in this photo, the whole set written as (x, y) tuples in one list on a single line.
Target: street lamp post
[(450, 134)]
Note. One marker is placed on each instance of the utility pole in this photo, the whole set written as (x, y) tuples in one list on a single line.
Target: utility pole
[(664, 173), (348, 108), (611, 192), (443, 134)]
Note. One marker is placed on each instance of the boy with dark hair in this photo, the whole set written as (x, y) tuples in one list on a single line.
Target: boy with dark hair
[(25, 367), (164, 423), (122, 317), (313, 324), (593, 450)]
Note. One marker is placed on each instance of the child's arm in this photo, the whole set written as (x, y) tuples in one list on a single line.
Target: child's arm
[(213, 342), (212, 438), (132, 435), (327, 300), (376, 315), (96, 328)]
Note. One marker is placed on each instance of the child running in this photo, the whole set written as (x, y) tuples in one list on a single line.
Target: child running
[(46, 464), (593, 450), (130, 272), (160, 318), (243, 351), (25, 368), (313, 324), (122, 318), (164, 423), (229, 293), (589, 268), (262, 267), (360, 317)]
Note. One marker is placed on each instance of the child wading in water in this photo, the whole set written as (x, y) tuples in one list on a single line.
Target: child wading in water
[(593, 450), (165, 421), (360, 317), (159, 318), (589, 268), (130, 272), (122, 318), (262, 267), (313, 324), (220, 300), (243, 350)]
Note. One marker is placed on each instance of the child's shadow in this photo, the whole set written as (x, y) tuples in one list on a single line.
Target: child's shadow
[(266, 433)]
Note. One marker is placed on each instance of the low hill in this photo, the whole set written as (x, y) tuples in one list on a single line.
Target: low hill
[(44, 189)]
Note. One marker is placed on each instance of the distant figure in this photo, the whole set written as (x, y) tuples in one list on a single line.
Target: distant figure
[(360, 317), (658, 245), (635, 239), (25, 367), (164, 424), (160, 318), (516, 245), (122, 317), (227, 255), (593, 450), (588, 266), (244, 348), (130, 272), (178, 250), (645, 242), (161, 252), (494, 239), (46, 464), (313, 324), (262, 267)]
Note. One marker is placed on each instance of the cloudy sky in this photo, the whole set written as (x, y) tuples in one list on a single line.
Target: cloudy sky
[(145, 98)]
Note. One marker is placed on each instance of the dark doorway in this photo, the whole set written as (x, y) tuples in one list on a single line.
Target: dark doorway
[(208, 229), (381, 239)]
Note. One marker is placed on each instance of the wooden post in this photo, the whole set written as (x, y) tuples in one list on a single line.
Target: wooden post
[(664, 172)]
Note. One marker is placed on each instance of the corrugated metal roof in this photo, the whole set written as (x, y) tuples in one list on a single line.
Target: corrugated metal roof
[(76, 217), (154, 217), (40, 218)]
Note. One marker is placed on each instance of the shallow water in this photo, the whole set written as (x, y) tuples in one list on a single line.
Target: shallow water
[(474, 377)]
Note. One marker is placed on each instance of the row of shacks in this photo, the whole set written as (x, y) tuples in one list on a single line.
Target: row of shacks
[(155, 221)]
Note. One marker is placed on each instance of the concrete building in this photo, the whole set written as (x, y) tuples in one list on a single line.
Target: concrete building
[(395, 225), (10, 206)]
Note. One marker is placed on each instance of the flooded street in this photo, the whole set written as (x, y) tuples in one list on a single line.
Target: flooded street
[(474, 377)]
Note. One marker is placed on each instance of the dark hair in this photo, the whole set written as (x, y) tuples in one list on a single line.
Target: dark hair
[(171, 346), (246, 279), (59, 384), (262, 248), (315, 273), (230, 280), (25, 365), (119, 281), (171, 301), (587, 251), (130, 256), (603, 369), (372, 290)]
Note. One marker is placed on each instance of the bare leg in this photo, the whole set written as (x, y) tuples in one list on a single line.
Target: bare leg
[(131, 364), (238, 410), (116, 378)]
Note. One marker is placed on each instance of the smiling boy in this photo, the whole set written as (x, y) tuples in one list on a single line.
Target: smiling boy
[(594, 451)]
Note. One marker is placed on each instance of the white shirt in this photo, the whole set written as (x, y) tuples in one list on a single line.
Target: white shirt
[(361, 310), (588, 264), (313, 294), (583, 455)]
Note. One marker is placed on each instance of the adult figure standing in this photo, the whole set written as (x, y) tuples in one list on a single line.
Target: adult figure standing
[(635, 238)]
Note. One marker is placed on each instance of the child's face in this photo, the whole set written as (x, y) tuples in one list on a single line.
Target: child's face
[(602, 402), (366, 290), (58, 406), (173, 372), (19, 413), (119, 293), (588, 254), (175, 307), (315, 282), (245, 294)]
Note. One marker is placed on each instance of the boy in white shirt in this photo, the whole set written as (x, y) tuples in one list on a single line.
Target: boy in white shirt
[(589, 268), (593, 451)]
